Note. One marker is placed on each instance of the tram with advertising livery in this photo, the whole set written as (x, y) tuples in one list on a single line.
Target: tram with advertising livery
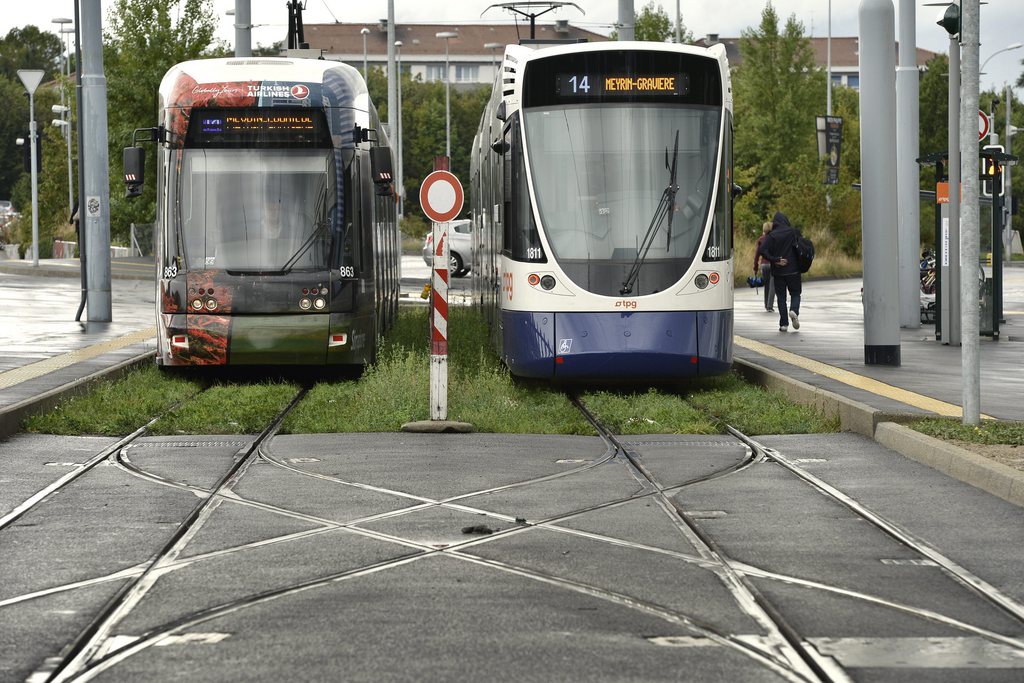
[(276, 235), (601, 187)]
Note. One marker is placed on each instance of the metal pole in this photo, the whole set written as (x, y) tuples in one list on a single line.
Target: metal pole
[(80, 167), (970, 228), (243, 28), (95, 199), (878, 174), (828, 63), (67, 79), (679, 23), (1008, 206), (951, 258), (35, 177), (447, 104), (908, 175), (392, 81), (627, 20), (365, 32), (399, 134)]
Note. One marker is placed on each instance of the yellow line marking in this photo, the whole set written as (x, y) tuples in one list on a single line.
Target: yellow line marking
[(853, 379), (39, 368)]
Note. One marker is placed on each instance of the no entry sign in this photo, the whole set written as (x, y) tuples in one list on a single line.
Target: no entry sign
[(441, 196), (983, 125)]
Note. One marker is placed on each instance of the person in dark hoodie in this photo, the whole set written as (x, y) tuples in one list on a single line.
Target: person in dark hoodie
[(779, 248)]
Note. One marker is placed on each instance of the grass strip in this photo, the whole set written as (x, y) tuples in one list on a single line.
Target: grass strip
[(115, 408), (988, 433), (228, 409)]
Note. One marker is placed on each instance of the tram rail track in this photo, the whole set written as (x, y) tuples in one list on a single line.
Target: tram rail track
[(784, 651), (87, 643)]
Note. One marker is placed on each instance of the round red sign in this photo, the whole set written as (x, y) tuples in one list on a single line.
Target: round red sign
[(982, 125), (441, 196)]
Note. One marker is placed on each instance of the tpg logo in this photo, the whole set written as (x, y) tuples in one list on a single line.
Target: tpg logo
[(625, 303)]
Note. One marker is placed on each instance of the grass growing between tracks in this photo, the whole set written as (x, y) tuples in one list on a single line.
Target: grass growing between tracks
[(705, 406), (115, 408), (396, 390), (228, 409)]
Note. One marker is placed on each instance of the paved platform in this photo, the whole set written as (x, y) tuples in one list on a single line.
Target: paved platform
[(45, 349)]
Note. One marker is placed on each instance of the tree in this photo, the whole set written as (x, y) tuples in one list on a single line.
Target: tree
[(144, 40), (778, 92), (30, 48), (653, 24)]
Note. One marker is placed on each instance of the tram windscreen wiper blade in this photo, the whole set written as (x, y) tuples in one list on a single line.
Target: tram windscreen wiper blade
[(664, 210), (303, 248)]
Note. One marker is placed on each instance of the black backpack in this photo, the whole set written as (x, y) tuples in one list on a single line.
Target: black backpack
[(804, 252)]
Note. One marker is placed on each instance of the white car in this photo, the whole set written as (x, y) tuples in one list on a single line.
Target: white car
[(460, 248)]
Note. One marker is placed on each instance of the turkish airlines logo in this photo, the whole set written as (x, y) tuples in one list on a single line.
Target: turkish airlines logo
[(300, 92)]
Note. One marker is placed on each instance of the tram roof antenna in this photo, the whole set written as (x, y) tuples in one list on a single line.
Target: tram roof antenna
[(529, 4)]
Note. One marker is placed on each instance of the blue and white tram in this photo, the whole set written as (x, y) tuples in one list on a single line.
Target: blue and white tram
[(601, 184)]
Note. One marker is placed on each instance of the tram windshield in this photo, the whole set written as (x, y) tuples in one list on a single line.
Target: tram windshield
[(601, 129), (256, 210), (599, 173)]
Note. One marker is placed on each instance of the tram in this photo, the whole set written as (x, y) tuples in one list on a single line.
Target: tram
[(276, 236), (601, 191)]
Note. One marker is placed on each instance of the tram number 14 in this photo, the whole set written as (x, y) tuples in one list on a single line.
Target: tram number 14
[(580, 84)]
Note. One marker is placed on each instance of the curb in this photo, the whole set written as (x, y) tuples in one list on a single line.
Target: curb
[(12, 416), (980, 472)]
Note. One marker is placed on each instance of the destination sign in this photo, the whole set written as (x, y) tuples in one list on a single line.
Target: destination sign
[(257, 127), (608, 85), (234, 122)]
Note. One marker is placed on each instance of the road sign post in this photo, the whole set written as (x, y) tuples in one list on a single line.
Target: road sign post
[(441, 199)]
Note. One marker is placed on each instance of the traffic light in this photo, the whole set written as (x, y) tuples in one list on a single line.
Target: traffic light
[(949, 19), (991, 172)]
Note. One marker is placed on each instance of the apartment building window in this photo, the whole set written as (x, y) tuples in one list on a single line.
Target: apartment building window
[(467, 73), (435, 72)]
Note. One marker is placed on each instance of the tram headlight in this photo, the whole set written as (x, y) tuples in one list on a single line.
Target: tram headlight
[(533, 279), (197, 304), (304, 303), (701, 281), (547, 282), (319, 304), (210, 304), (713, 278)]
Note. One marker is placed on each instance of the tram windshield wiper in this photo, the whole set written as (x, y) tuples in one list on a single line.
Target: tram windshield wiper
[(665, 209), (303, 248)]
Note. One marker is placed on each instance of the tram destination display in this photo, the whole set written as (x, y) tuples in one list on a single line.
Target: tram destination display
[(622, 76), (257, 127), (611, 85)]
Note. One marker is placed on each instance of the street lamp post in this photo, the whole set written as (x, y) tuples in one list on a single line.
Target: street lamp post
[(494, 57), (31, 78), (1013, 46), (398, 130), (365, 31), (447, 96), (65, 109)]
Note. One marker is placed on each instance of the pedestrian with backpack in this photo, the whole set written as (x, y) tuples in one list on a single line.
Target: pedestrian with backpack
[(786, 249), (763, 268)]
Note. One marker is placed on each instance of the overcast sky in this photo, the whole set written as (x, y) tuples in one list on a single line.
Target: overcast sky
[(1002, 21)]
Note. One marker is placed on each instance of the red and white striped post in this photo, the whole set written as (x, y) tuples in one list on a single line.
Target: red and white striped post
[(441, 200)]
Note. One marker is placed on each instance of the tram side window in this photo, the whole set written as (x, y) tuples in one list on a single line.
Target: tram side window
[(522, 243), (719, 245)]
